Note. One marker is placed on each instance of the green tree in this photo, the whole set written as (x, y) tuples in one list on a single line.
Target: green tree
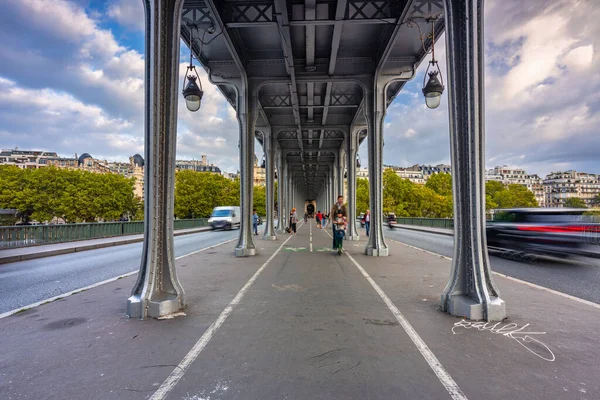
[(197, 193), (260, 200), (515, 195), (362, 195), (493, 187), (440, 183), (596, 201), (575, 202)]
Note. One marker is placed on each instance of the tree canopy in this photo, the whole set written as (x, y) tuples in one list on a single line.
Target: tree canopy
[(197, 193), (575, 202), (73, 195)]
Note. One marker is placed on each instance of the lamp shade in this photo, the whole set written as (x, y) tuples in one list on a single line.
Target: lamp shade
[(433, 90), (192, 94)]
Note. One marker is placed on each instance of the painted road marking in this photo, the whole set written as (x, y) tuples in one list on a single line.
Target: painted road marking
[(533, 285), (191, 356), (60, 296), (444, 377), (310, 225), (295, 249)]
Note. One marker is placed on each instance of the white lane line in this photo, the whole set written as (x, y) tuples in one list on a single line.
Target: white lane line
[(67, 294), (310, 225), (204, 249), (533, 285), (444, 377), (191, 356)]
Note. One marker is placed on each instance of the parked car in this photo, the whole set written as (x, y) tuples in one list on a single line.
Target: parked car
[(227, 217), (526, 233)]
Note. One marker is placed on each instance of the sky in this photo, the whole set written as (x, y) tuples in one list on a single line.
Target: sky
[(71, 81)]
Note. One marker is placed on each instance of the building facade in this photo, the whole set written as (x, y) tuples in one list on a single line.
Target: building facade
[(26, 159), (509, 176), (560, 186), (260, 174)]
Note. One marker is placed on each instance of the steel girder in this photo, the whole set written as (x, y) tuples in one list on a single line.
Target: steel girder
[(157, 291), (471, 291)]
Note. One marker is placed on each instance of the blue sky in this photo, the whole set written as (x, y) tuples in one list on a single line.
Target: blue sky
[(72, 82)]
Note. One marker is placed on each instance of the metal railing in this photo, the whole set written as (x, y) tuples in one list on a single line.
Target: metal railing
[(447, 223), (33, 235)]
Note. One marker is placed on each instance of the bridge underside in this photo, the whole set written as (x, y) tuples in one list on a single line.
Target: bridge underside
[(311, 79)]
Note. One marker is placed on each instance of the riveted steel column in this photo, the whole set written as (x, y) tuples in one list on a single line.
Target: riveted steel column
[(470, 292), (247, 113), (351, 150), (269, 145), (157, 291), (340, 173), (375, 113), (282, 201)]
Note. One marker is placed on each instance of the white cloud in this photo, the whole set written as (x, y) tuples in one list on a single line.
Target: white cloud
[(580, 58), (542, 91), (128, 13), (410, 133)]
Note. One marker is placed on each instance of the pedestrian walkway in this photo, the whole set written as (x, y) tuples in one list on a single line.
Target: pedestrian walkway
[(48, 250), (297, 321)]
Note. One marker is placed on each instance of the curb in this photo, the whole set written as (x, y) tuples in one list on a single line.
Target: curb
[(83, 247), (424, 229)]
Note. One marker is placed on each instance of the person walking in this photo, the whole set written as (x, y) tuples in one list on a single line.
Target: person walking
[(367, 218), (324, 221), (255, 223), (319, 218), (293, 221), (338, 206)]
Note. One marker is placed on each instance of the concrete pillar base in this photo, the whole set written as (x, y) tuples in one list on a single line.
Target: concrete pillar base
[(242, 252), (353, 238), (269, 237), (164, 305), (466, 307), (382, 252)]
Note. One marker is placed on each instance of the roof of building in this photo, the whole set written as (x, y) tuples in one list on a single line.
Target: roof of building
[(139, 160), (83, 157)]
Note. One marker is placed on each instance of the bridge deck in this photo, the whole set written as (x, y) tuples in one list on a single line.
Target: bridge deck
[(310, 326)]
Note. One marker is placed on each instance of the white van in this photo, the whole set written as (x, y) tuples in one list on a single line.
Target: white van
[(225, 217)]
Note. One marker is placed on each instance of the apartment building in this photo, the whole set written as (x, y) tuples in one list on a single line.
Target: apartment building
[(260, 173), (559, 186), (509, 175), (25, 159)]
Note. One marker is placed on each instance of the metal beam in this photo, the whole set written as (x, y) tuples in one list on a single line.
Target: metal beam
[(318, 22), (338, 26), (310, 107), (286, 45), (309, 37)]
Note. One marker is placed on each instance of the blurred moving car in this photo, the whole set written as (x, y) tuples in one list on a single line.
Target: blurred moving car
[(526, 233), (225, 217)]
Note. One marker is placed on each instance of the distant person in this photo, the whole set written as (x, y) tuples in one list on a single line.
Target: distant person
[(255, 219), (324, 221), (293, 221), (367, 219), (319, 219)]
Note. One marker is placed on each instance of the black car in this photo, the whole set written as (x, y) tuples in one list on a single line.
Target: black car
[(529, 232)]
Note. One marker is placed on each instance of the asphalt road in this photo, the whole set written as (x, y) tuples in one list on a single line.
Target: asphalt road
[(27, 282), (580, 278), (31, 281)]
